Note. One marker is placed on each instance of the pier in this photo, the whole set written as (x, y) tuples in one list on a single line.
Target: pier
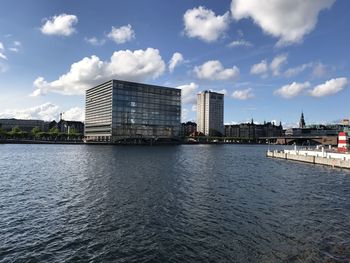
[(322, 157)]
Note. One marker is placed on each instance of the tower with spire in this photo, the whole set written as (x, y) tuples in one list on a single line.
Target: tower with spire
[(302, 121)]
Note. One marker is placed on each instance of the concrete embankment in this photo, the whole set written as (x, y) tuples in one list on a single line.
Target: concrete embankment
[(341, 161)]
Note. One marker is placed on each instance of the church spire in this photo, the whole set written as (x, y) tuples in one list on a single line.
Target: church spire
[(302, 121)]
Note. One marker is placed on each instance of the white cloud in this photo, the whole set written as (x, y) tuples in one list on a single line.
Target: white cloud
[(95, 41), (122, 34), (46, 112), (16, 46), (288, 20), (175, 60), (74, 114), (3, 56), (330, 87), (202, 23), (291, 90), (184, 115), (90, 71), (291, 72), (243, 94), (240, 43), (189, 93), (319, 70), (61, 25), (259, 68), (2, 48), (275, 66), (213, 70), (277, 63)]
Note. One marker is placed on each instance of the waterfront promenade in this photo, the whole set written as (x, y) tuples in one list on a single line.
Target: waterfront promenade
[(317, 156)]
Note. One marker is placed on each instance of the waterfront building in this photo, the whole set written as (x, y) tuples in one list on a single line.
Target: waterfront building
[(24, 125), (210, 113), (68, 126), (188, 128), (317, 130), (252, 131), (121, 110)]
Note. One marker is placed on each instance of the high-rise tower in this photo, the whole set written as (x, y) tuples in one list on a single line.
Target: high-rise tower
[(210, 113)]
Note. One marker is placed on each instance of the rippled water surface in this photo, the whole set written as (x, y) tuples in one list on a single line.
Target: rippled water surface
[(189, 203)]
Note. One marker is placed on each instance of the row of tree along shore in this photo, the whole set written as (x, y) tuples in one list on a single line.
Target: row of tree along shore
[(36, 134)]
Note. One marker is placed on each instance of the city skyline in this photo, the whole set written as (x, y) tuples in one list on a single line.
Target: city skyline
[(269, 67)]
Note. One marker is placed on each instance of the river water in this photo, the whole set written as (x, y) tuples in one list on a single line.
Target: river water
[(188, 203)]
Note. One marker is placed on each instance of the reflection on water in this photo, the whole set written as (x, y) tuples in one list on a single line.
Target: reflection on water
[(190, 203)]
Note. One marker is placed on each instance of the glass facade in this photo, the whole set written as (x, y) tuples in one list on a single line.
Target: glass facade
[(142, 111)]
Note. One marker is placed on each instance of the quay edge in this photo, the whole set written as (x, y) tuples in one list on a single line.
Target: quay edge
[(313, 157)]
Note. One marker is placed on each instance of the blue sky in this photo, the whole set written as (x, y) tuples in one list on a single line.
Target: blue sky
[(271, 58)]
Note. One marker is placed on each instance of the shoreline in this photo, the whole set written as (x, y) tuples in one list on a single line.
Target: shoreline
[(121, 143), (338, 160)]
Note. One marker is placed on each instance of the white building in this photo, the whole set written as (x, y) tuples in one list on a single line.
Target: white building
[(210, 113)]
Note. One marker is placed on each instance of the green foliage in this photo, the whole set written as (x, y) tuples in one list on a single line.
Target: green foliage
[(72, 131), (16, 129), (35, 131), (54, 130)]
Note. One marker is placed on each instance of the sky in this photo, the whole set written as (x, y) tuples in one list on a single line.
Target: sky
[(272, 59)]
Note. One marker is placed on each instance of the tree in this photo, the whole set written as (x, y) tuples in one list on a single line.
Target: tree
[(54, 132), (16, 129), (35, 131), (72, 131)]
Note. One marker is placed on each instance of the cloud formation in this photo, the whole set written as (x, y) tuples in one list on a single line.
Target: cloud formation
[(2, 48), (263, 68), (291, 72), (61, 25), (188, 93), (277, 63), (16, 46), (288, 20), (330, 87), (137, 65), (214, 70), (95, 41), (291, 90), (175, 60), (240, 43), (243, 94), (46, 112), (74, 114), (202, 23), (259, 68), (121, 34)]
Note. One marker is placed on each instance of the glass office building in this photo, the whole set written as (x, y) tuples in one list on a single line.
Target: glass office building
[(120, 110)]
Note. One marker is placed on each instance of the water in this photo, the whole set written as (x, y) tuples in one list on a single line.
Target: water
[(190, 203)]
